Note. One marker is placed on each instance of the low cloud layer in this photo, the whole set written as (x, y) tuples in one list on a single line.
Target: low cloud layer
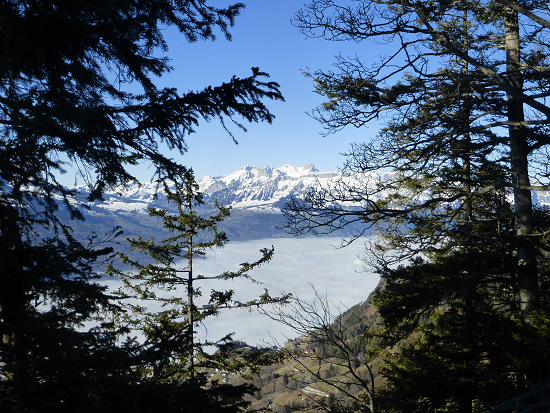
[(298, 266)]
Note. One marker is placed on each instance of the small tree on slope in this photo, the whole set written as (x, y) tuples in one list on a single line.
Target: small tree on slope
[(171, 349)]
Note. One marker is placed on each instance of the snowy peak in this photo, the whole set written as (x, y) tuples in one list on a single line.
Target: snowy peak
[(247, 173), (266, 189), (249, 188), (291, 171)]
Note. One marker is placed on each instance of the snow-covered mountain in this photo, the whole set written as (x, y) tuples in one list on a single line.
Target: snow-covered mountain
[(249, 188), (256, 196), (252, 189), (269, 189), (265, 189)]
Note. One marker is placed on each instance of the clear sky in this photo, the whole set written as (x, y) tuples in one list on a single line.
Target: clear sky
[(262, 37)]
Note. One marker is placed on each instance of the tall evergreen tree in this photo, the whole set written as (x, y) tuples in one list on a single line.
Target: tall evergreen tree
[(460, 139), (77, 85)]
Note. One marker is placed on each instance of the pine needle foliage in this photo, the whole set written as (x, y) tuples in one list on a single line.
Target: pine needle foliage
[(172, 283), (78, 88), (460, 93)]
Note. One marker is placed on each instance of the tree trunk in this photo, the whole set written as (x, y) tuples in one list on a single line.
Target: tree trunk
[(190, 313), (519, 150)]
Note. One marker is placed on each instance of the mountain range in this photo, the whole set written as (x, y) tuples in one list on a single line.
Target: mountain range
[(256, 196), (263, 190)]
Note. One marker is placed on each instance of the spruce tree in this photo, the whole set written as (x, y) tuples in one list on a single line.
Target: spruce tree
[(77, 85), (453, 95), (430, 40), (172, 351)]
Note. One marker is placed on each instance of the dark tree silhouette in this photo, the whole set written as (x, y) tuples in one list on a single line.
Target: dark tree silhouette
[(77, 85)]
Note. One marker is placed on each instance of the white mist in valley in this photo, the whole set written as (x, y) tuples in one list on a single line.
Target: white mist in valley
[(297, 266)]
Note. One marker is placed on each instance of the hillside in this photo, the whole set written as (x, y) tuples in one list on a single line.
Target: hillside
[(324, 365)]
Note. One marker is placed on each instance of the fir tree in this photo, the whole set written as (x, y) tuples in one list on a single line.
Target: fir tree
[(460, 138), (173, 352), (444, 64), (77, 85)]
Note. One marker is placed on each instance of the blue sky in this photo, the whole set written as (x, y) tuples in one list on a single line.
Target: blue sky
[(262, 37)]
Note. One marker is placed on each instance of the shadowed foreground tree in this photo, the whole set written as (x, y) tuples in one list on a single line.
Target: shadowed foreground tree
[(449, 106), (461, 91), (77, 85), (459, 342)]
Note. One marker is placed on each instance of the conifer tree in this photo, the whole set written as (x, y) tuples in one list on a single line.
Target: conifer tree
[(431, 39), (461, 140), (77, 85), (172, 282)]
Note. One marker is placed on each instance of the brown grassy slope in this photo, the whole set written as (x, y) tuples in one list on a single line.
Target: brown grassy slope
[(327, 365)]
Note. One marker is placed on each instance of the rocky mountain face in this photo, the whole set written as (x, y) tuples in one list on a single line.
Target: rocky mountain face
[(264, 189), (248, 189), (256, 196)]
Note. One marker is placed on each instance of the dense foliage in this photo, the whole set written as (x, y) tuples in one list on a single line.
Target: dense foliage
[(460, 92), (77, 85)]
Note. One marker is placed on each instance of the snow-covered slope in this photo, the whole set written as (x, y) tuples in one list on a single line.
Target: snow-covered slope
[(249, 188), (266, 189)]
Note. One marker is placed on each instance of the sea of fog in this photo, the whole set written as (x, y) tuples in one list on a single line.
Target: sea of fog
[(299, 266)]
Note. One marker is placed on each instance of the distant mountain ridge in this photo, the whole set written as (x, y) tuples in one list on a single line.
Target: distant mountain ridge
[(264, 190), (261, 188), (256, 196), (249, 188)]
